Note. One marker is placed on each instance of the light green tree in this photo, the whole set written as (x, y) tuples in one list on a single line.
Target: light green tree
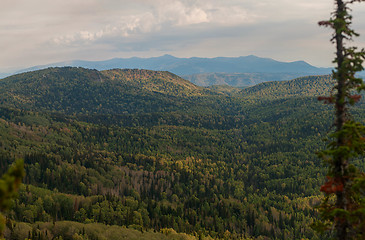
[(9, 185)]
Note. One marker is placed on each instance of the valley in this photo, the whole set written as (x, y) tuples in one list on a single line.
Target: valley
[(153, 155)]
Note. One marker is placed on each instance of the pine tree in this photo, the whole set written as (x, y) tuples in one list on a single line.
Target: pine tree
[(343, 207)]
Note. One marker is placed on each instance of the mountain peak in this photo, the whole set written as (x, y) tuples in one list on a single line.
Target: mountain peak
[(250, 56), (168, 56)]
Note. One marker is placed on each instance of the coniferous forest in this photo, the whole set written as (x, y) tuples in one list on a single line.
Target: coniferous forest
[(138, 154)]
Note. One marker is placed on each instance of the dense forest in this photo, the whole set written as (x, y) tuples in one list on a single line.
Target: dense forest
[(143, 154)]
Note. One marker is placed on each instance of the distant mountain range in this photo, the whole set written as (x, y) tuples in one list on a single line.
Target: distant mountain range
[(233, 71)]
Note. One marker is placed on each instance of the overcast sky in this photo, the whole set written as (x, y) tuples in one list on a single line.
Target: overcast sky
[(35, 32)]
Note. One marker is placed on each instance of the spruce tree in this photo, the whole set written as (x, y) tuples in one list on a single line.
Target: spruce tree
[(342, 210)]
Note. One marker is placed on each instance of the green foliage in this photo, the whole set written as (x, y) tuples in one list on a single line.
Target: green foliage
[(343, 206), (222, 165), (78, 90), (9, 184), (303, 86), (79, 231), (238, 80)]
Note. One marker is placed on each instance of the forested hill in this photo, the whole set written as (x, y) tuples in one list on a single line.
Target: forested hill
[(79, 90), (147, 154), (311, 86)]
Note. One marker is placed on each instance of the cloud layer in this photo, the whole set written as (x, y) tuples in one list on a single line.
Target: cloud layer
[(42, 31)]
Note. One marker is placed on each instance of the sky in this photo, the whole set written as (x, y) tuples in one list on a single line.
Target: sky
[(37, 32)]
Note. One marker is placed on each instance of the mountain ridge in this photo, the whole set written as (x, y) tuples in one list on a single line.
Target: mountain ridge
[(108, 91), (73, 90), (196, 65)]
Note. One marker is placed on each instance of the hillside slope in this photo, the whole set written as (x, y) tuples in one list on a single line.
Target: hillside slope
[(310, 86), (221, 162), (79, 90), (240, 79)]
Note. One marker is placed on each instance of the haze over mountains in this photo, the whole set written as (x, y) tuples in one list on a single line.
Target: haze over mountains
[(232, 71)]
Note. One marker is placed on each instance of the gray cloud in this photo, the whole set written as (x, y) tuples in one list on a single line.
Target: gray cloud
[(42, 31)]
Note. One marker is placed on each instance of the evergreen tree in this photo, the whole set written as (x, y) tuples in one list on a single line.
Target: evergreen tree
[(9, 185), (343, 206)]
